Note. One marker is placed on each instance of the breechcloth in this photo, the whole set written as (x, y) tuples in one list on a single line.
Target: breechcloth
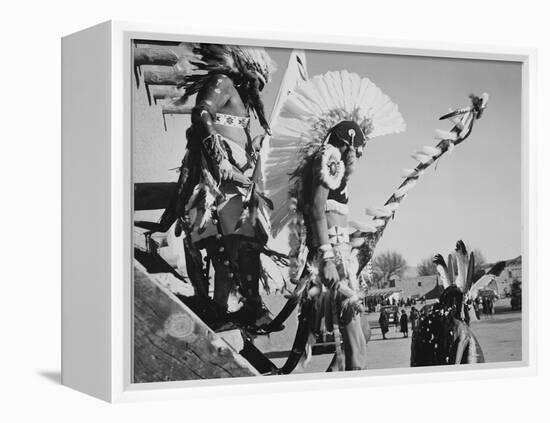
[(229, 209)]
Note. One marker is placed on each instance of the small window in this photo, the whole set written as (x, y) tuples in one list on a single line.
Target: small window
[(419, 283)]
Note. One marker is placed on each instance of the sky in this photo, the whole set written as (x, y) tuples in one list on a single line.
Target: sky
[(473, 194)]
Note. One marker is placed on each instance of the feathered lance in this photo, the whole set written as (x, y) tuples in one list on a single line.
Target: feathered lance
[(464, 121)]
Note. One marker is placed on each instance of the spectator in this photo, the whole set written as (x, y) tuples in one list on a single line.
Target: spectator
[(383, 320), (404, 321), (414, 318)]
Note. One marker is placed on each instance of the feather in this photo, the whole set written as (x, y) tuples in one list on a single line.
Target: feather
[(392, 207), (484, 100), (362, 226), (411, 173), (462, 265), (455, 119), (451, 269), (467, 122), (450, 148), (378, 212), (456, 113), (405, 189), (201, 202), (471, 270), (445, 135), (377, 223), (422, 158), (357, 241), (431, 151), (441, 267)]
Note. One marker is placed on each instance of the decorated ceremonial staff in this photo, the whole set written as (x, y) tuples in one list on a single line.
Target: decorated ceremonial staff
[(443, 335), (215, 203), (312, 105)]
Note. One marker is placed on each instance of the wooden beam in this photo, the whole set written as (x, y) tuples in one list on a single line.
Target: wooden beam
[(166, 92), (172, 343), (176, 109), (153, 195), (154, 56), (170, 77)]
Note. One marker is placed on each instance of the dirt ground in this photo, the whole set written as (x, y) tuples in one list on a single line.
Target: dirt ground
[(499, 336)]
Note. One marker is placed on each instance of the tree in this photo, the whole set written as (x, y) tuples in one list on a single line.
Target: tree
[(386, 266), (426, 267)]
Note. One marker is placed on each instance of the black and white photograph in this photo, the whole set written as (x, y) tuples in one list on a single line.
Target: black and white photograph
[(275, 212), (308, 211)]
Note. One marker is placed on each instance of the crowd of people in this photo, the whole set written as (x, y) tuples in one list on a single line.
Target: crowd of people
[(373, 304), (401, 321), (482, 306)]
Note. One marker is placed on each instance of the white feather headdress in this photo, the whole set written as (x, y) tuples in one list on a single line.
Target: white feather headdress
[(307, 115)]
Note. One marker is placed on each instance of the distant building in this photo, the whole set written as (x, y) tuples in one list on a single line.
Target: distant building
[(417, 286), (511, 272)]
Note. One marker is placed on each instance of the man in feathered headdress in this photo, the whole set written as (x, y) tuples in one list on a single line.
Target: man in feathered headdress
[(325, 214), (324, 127), (213, 200), (443, 335)]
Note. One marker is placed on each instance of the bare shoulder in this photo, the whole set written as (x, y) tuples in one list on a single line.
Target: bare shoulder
[(219, 82), (329, 166)]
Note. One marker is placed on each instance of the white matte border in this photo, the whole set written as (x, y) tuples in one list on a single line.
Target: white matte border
[(121, 197)]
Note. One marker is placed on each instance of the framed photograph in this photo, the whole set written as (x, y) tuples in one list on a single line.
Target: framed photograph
[(283, 209)]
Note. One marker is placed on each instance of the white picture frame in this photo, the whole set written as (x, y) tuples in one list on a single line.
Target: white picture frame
[(97, 302)]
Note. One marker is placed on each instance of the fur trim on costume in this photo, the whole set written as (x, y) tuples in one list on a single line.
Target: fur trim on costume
[(332, 168)]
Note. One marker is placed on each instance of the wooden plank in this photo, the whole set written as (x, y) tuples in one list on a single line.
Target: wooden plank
[(171, 343), (154, 56)]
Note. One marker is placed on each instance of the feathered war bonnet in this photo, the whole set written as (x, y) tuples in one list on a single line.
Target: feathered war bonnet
[(338, 105), (236, 61)]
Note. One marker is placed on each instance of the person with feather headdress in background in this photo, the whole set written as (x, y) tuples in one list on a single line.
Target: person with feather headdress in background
[(215, 202), (324, 126), (443, 335)]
